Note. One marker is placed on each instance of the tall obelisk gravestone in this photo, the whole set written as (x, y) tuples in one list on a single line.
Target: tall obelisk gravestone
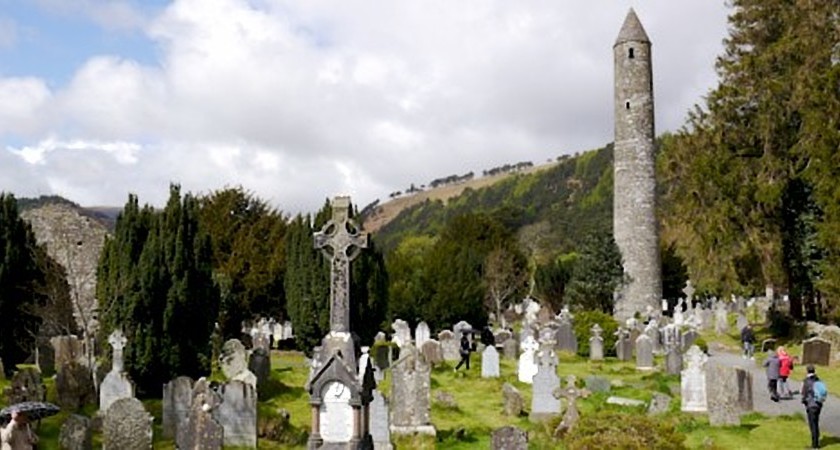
[(634, 204)]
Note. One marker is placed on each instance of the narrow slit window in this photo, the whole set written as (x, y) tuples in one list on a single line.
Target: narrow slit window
[(631, 53), (626, 105)]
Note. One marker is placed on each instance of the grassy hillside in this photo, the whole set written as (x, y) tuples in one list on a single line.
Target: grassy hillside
[(552, 208)]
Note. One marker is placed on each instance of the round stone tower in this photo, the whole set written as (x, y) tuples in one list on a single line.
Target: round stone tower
[(634, 201)]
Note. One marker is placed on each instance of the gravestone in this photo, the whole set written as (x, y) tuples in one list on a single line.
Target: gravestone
[(705, 318), (728, 393), (402, 333), (461, 327), (336, 413), (688, 338), (422, 334), (644, 353), (741, 321), (595, 383), (127, 426), (543, 403), (382, 356), (510, 348), (202, 431), (380, 429), (177, 401), (26, 386), (234, 362), (721, 319), (768, 345), (596, 344), (76, 433), (816, 351), (659, 404), (671, 336), (689, 291), (673, 361), (652, 331), (527, 361), (509, 438), (74, 386), (410, 394), (432, 351), (570, 393), (67, 349), (237, 414), (450, 345), (502, 336), (693, 381), (260, 365), (566, 339), (623, 345), (490, 363), (548, 335), (116, 384), (513, 402)]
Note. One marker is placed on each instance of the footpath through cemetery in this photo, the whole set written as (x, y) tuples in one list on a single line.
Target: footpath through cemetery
[(219, 323)]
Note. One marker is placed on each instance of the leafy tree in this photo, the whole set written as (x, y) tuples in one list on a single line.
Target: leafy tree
[(249, 256), (160, 291), (505, 277), (409, 278), (552, 279), (597, 274), (24, 268)]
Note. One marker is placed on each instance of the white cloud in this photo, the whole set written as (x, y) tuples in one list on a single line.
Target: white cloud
[(109, 14), (299, 101)]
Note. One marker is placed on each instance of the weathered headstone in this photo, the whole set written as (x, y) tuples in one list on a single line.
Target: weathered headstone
[(402, 333), (659, 404), (816, 351), (644, 353), (596, 344), (502, 336), (673, 361), (238, 414), (116, 384), (566, 339), (382, 356), (26, 386), (768, 345), (688, 339), (728, 394), (510, 348), (740, 322), (623, 345), (422, 334), (234, 362), (570, 393), (513, 401), (202, 431), (411, 394), (259, 364), (460, 327), (595, 383), (689, 291), (74, 386), (76, 433), (336, 413), (721, 319), (177, 401), (380, 428), (543, 404), (449, 344), (509, 438), (693, 381), (527, 361), (127, 426), (490, 363), (432, 352)]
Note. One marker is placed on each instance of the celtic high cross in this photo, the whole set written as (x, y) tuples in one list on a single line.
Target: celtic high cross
[(341, 242)]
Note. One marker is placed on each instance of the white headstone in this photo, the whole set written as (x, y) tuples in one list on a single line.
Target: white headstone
[(693, 381), (336, 414), (422, 334), (402, 333), (527, 360), (490, 363), (116, 384)]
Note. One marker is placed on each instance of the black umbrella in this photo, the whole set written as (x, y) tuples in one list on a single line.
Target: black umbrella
[(32, 410)]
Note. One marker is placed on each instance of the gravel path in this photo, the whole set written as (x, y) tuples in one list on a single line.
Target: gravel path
[(830, 416)]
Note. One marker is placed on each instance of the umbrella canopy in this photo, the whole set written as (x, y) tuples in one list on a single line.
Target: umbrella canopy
[(32, 410)]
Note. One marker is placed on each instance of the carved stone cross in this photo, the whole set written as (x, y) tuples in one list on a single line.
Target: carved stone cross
[(341, 242), (117, 341), (689, 290), (571, 393)]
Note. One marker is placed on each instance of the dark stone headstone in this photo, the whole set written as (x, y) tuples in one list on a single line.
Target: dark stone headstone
[(595, 383), (260, 364), (566, 339), (510, 349), (768, 345), (513, 401), (76, 433), (382, 356), (673, 361), (74, 387), (509, 438), (816, 351), (177, 399), (26, 386)]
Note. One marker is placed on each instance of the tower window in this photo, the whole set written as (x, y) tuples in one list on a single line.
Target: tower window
[(631, 53), (626, 105)]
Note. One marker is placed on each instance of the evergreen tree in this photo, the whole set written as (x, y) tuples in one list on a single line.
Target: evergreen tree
[(597, 274), (22, 285)]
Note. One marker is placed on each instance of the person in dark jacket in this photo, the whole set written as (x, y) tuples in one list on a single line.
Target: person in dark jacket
[(772, 364), (487, 337), (813, 407), (748, 341), (466, 349)]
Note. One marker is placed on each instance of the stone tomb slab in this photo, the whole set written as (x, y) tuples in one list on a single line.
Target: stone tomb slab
[(816, 351)]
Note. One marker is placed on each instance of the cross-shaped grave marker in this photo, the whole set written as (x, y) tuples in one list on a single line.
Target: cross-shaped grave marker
[(341, 242), (571, 393)]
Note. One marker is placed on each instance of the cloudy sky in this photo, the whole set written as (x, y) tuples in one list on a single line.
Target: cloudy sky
[(300, 100)]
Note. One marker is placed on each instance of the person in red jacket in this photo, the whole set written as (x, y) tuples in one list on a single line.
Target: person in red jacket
[(785, 368)]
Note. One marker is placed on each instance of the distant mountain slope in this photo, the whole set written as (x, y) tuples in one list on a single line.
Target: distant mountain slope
[(105, 215), (552, 209)]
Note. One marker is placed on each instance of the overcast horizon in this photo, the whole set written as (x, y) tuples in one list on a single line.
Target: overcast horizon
[(302, 101)]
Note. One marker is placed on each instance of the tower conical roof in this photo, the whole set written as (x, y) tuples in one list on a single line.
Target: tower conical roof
[(632, 30)]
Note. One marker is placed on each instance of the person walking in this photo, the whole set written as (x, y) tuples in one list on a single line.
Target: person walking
[(785, 368), (17, 435), (748, 341), (772, 370), (813, 395), (465, 351)]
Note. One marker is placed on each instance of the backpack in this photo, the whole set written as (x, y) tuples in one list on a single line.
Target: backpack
[(820, 391)]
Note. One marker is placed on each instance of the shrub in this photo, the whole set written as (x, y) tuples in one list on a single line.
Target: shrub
[(584, 321), (610, 429), (781, 325)]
